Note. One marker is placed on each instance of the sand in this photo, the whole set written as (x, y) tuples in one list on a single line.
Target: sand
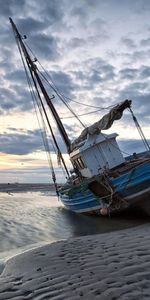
[(105, 266)]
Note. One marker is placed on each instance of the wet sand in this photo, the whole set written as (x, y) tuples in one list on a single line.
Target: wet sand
[(112, 266)]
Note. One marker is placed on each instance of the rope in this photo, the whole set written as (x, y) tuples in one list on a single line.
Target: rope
[(61, 98), (85, 114), (54, 86), (140, 131), (43, 133)]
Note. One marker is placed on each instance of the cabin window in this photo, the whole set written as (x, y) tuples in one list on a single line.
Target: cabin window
[(77, 164), (80, 163)]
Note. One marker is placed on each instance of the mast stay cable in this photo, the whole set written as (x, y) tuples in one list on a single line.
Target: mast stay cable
[(64, 96), (43, 132), (34, 98)]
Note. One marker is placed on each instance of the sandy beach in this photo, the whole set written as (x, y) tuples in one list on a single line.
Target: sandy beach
[(113, 266)]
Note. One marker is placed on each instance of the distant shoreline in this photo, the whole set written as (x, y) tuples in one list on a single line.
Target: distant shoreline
[(25, 187)]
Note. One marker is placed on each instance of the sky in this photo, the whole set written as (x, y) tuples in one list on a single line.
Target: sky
[(96, 52)]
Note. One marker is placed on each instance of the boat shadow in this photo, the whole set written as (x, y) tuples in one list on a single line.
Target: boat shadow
[(88, 225)]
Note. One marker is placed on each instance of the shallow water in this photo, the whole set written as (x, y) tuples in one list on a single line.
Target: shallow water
[(31, 219)]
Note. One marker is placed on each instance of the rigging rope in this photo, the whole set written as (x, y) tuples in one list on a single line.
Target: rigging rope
[(140, 130), (61, 98), (76, 116), (81, 115), (48, 75), (33, 71), (53, 136), (43, 133)]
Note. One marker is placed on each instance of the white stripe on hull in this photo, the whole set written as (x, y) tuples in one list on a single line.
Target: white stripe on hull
[(86, 209), (134, 196), (137, 194)]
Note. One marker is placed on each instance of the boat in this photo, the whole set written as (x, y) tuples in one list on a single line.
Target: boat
[(102, 181)]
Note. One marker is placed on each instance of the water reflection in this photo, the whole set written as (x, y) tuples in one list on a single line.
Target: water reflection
[(86, 225), (30, 219)]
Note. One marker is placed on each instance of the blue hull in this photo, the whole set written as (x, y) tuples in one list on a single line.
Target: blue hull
[(131, 187)]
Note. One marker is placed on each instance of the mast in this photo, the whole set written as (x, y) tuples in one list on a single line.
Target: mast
[(33, 70)]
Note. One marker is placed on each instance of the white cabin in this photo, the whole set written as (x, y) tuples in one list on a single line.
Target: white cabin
[(96, 154)]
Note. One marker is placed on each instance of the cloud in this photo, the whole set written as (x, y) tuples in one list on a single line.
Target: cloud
[(30, 25), (139, 93), (52, 11), (94, 72), (145, 42), (63, 82), (128, 42), (45, 46), (77, 43), (129, 73), (138, 56), (9, 6), (21, 144), (16, 98), (131, 146), (16, 76), (96, 52), (145, 72)]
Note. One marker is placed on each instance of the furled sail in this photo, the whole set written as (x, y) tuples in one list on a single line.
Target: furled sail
[(104, 123)]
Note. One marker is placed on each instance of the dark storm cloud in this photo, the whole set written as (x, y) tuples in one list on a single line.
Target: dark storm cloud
[(128, 42), (142, 105), (16, 98), (137, 6), (41, 24), (16, 76), (139, 55), (43, 44), (52, 11), (6, 97), (145, 42), (131, 146), (38, 18), (141, 6), (80, 13), (63, 82), (145, 72), (129, 73), (102, 66), (6, 67), (133, 89), (21, 144), (76, 43), (29, 25), (8, 7), (94, 72), (5, 8), (139, 93)]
